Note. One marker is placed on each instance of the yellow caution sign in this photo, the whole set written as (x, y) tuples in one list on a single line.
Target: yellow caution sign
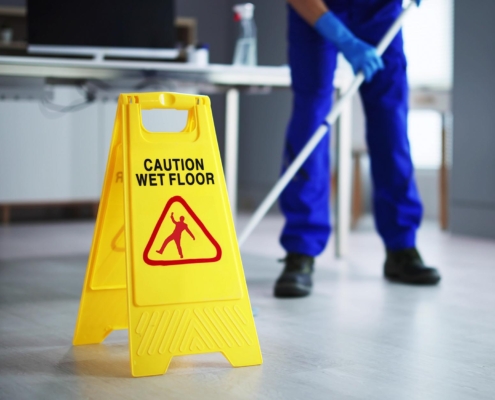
[(165, 263)]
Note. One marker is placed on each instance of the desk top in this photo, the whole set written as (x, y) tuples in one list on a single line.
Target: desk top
[(213, 74), (217, 74)]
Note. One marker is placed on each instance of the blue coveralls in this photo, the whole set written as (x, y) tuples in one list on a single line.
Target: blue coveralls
[(305, 202)]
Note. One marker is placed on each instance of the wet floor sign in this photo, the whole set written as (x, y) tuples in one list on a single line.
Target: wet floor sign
[(165, 263)]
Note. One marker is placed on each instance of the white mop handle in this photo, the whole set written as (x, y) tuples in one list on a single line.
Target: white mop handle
[(319, 134)]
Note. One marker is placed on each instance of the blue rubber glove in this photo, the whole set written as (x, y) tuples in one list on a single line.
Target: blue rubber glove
[(417, 2), (360, 55)]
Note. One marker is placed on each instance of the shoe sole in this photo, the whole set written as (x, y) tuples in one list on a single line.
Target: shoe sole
[(418, 281), (291, 290)]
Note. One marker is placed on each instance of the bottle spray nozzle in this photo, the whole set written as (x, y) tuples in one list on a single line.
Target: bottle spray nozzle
[(243, 11)]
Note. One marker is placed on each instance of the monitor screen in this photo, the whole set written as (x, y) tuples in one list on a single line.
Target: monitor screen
[(102, 23)]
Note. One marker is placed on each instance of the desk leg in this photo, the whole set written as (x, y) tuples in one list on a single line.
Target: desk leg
[(232, 146), (343, 198)]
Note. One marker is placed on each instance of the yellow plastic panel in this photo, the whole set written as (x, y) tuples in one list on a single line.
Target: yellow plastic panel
[(103, 298), (191, 173), (186, 290)]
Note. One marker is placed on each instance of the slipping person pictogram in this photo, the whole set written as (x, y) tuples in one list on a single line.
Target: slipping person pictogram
[(180, 226), (205, 249)]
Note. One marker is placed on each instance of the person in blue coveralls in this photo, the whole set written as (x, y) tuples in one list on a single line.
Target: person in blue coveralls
[(318, 30)]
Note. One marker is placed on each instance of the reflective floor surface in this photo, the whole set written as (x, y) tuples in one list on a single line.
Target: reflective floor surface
[(357, 337)]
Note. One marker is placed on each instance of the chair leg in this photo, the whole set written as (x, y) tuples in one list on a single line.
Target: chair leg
[(443, 181), (5, 214), (95, 209), (357, 193), (333, 187)]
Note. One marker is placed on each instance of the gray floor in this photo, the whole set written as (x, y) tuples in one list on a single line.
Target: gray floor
[(357, 337)]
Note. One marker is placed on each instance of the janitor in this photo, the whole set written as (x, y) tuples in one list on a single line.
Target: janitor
[(318, 31)]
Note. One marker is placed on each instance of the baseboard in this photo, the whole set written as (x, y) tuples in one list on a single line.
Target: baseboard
[(472, 220)]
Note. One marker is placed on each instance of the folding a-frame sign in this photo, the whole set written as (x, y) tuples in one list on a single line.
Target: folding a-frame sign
[(165, 262)]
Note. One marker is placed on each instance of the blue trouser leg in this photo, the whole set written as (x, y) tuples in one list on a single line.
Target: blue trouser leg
[(305, 201), (396, 203)]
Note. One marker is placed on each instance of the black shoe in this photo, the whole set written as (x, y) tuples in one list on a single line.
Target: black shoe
[(408, 267), (295, 280)]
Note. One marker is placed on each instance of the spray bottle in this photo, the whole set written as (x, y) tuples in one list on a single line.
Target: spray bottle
[(246, 48)]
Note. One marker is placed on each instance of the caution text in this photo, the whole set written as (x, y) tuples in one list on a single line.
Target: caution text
[(174, 171)]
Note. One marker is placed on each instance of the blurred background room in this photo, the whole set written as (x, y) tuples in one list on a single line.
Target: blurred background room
[(358, 336)]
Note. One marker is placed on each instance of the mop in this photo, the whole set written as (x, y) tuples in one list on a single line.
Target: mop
[(320, 132)]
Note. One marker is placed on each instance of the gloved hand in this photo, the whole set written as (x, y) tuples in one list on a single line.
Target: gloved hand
[(417, 2), (360, 55)]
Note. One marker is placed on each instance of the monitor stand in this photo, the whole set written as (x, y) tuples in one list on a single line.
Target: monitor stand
[(100, 53)]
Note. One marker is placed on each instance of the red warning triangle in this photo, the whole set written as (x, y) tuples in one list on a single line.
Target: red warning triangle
[(153, 253)]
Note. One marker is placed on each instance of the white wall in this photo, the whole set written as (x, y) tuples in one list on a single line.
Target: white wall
[(53, 157), (45, 159), (473, 176), (428, 34)]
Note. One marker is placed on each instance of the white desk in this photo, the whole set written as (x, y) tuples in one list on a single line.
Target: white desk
[(207, 79)]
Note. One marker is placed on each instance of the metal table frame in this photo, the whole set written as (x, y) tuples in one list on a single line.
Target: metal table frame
[(207, 79)]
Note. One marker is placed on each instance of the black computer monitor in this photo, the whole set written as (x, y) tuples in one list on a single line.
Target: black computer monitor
[(82, 26)]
